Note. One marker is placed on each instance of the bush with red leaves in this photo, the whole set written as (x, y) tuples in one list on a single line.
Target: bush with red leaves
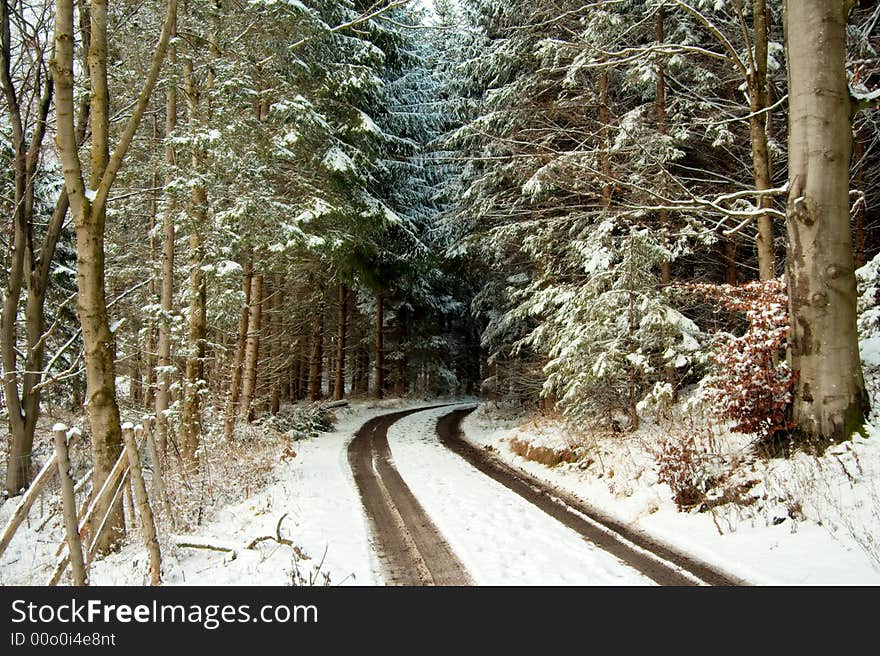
[(751, 384), (680, 464)]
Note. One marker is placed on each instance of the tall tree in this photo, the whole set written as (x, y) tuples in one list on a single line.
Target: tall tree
[(88, 206), (830, 400)]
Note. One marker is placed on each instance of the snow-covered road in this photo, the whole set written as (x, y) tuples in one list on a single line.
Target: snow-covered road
[(500, 538)]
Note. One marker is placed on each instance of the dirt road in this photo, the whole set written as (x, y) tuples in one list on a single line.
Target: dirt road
[(412, 551), (656, 561), (410, 548)]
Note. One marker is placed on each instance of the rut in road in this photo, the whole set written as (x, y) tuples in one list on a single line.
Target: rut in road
[(664, 566), (410, 548)]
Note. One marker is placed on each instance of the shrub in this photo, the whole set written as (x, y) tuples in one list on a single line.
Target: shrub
[(301, 422), (751, 384), (681, 465)]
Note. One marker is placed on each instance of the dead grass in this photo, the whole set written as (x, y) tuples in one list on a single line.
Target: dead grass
[(545, 455)]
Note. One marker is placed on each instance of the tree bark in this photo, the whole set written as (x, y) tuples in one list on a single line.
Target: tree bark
[(379, 381), (89, 212), (757, 86), (316, 375), (660, 110), (277, 366), (342, 322), (238, 362), (830, 400), (252, 347), (139, 492), (68, 499), (400, 385), (166, 300), (27, 266), (196, 351)]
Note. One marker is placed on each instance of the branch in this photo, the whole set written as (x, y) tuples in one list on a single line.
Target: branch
[(367, 16), (115, 162)]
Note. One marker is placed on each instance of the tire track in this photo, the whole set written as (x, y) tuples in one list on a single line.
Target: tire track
[(410, 549), (662, 564)]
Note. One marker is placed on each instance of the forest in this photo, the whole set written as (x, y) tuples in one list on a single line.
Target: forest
[(224, 215)]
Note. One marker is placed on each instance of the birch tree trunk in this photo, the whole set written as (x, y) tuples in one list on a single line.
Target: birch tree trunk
[(830, 400)]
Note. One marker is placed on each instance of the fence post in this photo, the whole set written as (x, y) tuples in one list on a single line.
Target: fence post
[(148, 526), (68, 507)]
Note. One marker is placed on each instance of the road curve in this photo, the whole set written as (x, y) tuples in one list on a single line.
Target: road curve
[(656, 561), (410, 549)]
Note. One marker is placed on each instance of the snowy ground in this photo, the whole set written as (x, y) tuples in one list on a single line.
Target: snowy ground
[(324, 519), (762, 544), (500, 537)]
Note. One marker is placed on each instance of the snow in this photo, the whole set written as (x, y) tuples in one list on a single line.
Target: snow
[(501, 538), (338, 161), (315, 490), (752, 548)]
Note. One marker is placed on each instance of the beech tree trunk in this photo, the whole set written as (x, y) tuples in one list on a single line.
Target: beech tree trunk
[(342, 322), (28, 267), (89, 213), (252, 347), (830, 400)]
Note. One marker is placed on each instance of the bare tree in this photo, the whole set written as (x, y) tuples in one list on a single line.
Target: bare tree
[(88, 206)]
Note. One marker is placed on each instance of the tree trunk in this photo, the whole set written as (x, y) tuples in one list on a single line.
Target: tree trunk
[(379, 382), (830, 400), (238, 362), (342, 322), (860, 214), (277, 366), (728, 254), (400, 385), (166, 300), (252, 347), (757, 86), (316, 375), (197, 333), (150, 339), (26, 266), (604, 138), (68, 499), (89, 213), (660, 110)]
